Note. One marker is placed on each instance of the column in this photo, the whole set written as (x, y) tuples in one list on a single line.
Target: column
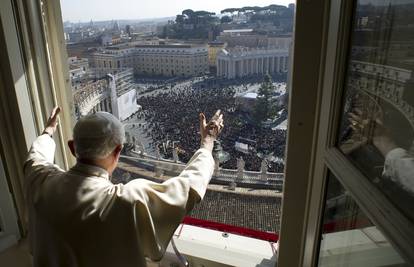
[(233, 68), (275, 64), (281, 64), (286, 63), (264, 70), (227, 69), (249, 66), (108, 109), (270, 64), (269, 60), (255, 66)]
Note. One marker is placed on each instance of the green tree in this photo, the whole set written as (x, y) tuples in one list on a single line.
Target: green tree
[(226, 19), (264, 107)]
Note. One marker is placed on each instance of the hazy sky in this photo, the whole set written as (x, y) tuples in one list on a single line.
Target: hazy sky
[(85, 10)]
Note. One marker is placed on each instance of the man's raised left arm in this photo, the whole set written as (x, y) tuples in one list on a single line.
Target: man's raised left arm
[(41, 155)]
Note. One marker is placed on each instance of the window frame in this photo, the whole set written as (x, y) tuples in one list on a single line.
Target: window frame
[(321, 36), (30, 95), (305, 89), (300, 119), (17, 129), (390, 221)]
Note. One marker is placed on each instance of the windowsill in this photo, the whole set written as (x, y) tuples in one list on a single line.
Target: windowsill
[(211, 248), (358, 247)]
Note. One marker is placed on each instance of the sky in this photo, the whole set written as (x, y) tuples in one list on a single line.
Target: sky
[(85, 10)]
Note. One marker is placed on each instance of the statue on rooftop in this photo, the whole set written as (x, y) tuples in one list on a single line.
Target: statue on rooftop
[(240, 167)]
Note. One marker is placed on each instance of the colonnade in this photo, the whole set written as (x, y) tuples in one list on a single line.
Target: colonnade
[(231, 67)]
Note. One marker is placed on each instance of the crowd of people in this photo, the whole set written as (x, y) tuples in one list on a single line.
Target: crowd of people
[(172, 117)]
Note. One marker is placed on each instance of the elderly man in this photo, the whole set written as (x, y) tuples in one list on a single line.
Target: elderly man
[(79, 218)]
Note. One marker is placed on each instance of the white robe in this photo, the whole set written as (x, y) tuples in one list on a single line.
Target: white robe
[(399, 167), (79, 218)]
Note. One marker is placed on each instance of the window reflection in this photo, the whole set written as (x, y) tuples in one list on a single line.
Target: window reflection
[(348, 237), (377, 127)]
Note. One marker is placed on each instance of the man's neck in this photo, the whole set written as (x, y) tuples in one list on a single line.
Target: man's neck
[(101, 163)]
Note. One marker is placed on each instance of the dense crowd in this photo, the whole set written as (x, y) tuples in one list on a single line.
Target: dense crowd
[(173, 116)]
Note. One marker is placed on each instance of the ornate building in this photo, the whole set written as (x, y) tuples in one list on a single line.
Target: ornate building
[(242, 61), (115, 94), (153, 60), (385, 82)]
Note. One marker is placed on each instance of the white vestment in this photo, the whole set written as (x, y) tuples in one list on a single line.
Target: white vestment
[(79, 218)]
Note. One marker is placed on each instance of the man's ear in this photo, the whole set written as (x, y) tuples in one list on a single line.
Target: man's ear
[(117, 151), (71, 145)]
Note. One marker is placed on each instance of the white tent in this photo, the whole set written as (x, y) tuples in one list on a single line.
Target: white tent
[(242, 147)]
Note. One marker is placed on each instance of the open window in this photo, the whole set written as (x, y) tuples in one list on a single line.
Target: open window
[(337, 207), (156, 75), (362, 177)]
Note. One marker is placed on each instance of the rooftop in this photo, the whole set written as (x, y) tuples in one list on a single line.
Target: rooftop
[(238, 31), (257, 209), (166, 46)]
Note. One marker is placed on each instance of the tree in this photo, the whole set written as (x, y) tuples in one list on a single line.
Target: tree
[(229, 10), (226, 19), (264, 107)]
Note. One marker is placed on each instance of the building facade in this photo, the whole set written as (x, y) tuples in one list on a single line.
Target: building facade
[(213, 49), (241, 61), (78, 71), (115, 94), (254, 40), (153, 60)]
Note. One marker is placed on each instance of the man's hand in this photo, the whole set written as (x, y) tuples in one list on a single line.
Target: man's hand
[(52, 122), (210, 131)]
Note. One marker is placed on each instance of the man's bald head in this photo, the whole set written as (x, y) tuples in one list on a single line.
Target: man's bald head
[(96, 136)]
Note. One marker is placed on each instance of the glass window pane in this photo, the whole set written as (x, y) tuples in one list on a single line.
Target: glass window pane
[(377, 126), (348, 237)]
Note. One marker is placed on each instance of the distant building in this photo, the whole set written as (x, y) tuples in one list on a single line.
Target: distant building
[(106, 39), (248, 38), (115, 94), (78, 71), (75, 37), (123, 94), (171, 60), (213, 49), (153, 60), (241, 61), (128, 30), (115, 27), (111, 59), (237, 32)]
